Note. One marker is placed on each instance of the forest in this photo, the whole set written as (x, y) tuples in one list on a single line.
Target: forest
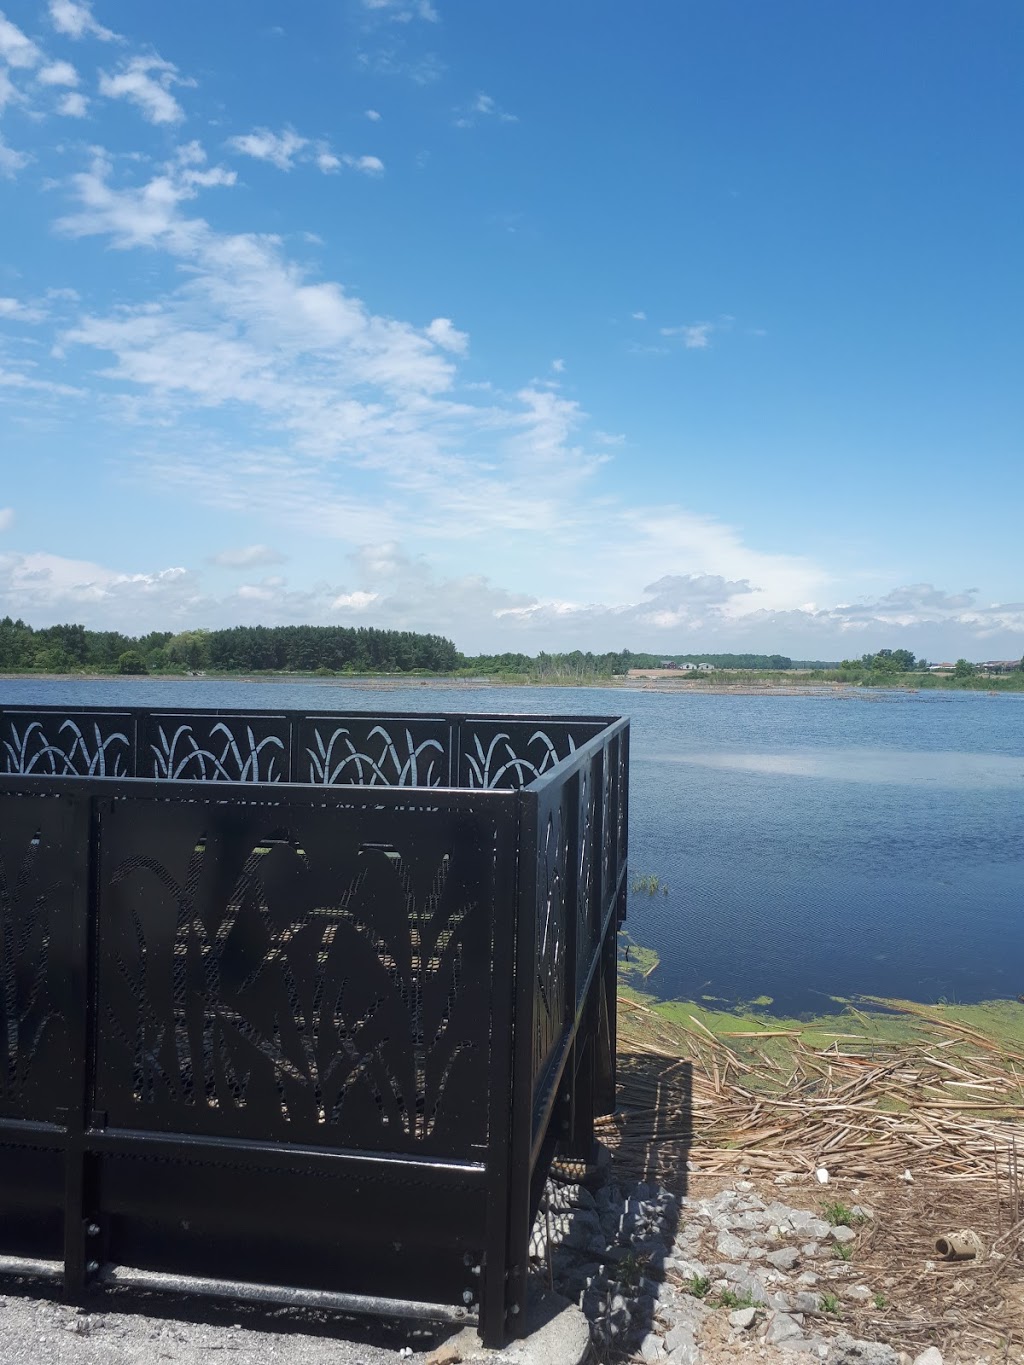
[(321, 650)]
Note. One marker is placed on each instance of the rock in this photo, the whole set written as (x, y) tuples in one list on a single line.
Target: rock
[(781, 1327), (742, 1318), (730, 1247), (807, 1278), (786, 1258), (807, 1224), (857, 1293), (681, 1335), (843, 1234), (805, 1345), (809, 1250), (689, 1270), (863, 1211), (806, 1302), (445, 1355), (933, 1356), (847, 1350), (748, 1286), (650, 1348)]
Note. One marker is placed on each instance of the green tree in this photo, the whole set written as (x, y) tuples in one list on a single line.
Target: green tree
[(131, 661), (189, 648), (963, 669)]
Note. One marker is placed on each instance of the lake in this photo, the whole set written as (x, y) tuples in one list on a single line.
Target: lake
[(811, 846)]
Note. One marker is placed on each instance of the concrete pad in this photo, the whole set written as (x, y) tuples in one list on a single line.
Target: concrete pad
[(558, 1334)]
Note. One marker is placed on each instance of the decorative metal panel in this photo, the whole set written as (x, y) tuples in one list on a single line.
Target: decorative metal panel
[(296, 971), (552, 933), (514, 753), (587, 868), (392, 751), (38, 867), (197, 747), (84, 744)]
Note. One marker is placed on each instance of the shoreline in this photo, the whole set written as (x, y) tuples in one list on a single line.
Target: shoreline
[(385, 682)]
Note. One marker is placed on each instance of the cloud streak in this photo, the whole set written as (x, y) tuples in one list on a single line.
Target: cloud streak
[(146, 82)]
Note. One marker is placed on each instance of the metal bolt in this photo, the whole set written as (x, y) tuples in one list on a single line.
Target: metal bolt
[(467, 1296), (514, 1310), (474, 1270), (92, 1267), (93, 1230)]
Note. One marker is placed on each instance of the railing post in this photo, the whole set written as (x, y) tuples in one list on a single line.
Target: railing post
[(506, 880), (81, 1233), (522, 1078)]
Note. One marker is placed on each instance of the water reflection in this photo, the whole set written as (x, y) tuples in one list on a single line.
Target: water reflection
[(906, 768)]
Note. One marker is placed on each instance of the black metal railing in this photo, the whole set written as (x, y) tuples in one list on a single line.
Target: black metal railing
[(260, 1023)]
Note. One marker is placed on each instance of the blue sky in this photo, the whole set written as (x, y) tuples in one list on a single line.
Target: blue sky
[(670, 326)]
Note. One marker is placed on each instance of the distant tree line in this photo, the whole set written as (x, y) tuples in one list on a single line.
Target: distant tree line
[(363, 649), (243, 649), (886, 661), (578, 664)]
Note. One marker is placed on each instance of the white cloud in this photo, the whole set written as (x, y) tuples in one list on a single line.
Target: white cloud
[(444, 334), (402, 11), (639, 316), (373, 115), (368, 165), (348, 424), (6, 518), (696, 336), (73, 105), (44, 587), (17, 311), (146, 82), (23, 384), (11, 161), (8, 94), (74, 18), (18, 50), (247, 556), (284, 149), (280, 149), (58, 73), (558, 366), (482, 107)]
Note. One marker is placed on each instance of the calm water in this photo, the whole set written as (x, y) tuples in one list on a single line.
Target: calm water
[(811, 846)]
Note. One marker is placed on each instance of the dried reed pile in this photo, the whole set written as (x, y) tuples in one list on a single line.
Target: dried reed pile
[(945, 1105), (949, 1101)]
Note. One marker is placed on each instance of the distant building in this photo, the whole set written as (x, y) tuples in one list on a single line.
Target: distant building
[(1000, 666), (941, 668)]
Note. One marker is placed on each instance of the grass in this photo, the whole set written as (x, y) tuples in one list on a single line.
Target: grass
[(698, 1286), (647, 883), (840, 1216), (842, 1251), (831, 1305), (631, 1270), (728, 1299)]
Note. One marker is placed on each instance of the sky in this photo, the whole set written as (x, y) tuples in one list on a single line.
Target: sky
[(673, 325)]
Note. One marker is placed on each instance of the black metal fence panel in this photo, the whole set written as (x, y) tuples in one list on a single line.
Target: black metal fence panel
[(393, 750), (39, 865), (316, 989), (270, 970)]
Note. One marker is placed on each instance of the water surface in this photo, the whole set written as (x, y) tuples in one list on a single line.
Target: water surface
[(812, 846)]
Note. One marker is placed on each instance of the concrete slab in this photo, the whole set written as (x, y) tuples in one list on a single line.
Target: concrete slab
[(559, 1334)]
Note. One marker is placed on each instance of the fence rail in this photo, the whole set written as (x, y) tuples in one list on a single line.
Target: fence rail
[(258, 1023)]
